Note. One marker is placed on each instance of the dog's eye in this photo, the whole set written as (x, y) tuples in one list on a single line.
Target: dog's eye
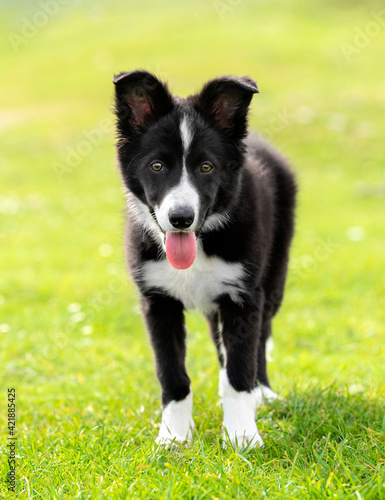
[(156, 166), (206, 167)]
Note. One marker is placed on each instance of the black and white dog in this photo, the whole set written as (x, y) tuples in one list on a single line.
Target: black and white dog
[(210, 221)]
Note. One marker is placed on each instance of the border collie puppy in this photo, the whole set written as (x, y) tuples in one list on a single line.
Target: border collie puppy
[(210, 221)]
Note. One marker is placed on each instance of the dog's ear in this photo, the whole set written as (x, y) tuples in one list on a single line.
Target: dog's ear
[(140, 100), (225, 102)]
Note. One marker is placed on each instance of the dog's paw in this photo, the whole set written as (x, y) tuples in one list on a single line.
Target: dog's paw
[(264, 394), (167, 438), (239, 424), (241, 439), (177, 423)]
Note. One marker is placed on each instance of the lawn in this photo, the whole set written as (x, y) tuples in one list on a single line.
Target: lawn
[(73, 343)]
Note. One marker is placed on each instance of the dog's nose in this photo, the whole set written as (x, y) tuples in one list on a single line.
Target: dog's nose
[(181, 218)]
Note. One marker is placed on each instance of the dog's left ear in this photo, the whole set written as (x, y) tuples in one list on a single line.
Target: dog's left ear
[(225, 102), (140, 100)]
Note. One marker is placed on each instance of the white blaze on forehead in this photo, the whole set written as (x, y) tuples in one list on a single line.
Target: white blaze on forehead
[(186, 134), (184, 194)]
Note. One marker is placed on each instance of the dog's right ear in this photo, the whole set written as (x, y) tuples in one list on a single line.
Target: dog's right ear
[(140, 100)]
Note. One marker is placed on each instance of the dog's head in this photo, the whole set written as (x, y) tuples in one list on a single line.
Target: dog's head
[(181, 158)]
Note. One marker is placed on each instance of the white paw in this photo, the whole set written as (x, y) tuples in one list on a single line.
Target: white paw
[(177, 424), (168, 435), (239, 416), (264, 394), (242, 438)]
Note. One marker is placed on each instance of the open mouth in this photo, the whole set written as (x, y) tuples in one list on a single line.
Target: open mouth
[(181, 246), (181, 249)]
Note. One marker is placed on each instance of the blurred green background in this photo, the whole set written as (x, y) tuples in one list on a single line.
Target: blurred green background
[(73, 342)]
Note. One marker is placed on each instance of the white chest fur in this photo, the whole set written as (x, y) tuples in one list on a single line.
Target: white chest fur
[(198, 286)]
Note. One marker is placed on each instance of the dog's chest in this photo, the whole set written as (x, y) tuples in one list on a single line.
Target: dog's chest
[(199, 286)]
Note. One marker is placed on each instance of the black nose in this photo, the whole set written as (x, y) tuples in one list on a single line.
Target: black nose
[(181, 218)]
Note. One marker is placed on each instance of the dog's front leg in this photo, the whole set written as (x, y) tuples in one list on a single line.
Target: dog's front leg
[(240, 330), (165, 322)]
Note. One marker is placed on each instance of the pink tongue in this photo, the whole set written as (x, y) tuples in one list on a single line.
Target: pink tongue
[(181, 249)]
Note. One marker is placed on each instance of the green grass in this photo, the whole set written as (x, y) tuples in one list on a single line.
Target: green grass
[(73, 341)]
